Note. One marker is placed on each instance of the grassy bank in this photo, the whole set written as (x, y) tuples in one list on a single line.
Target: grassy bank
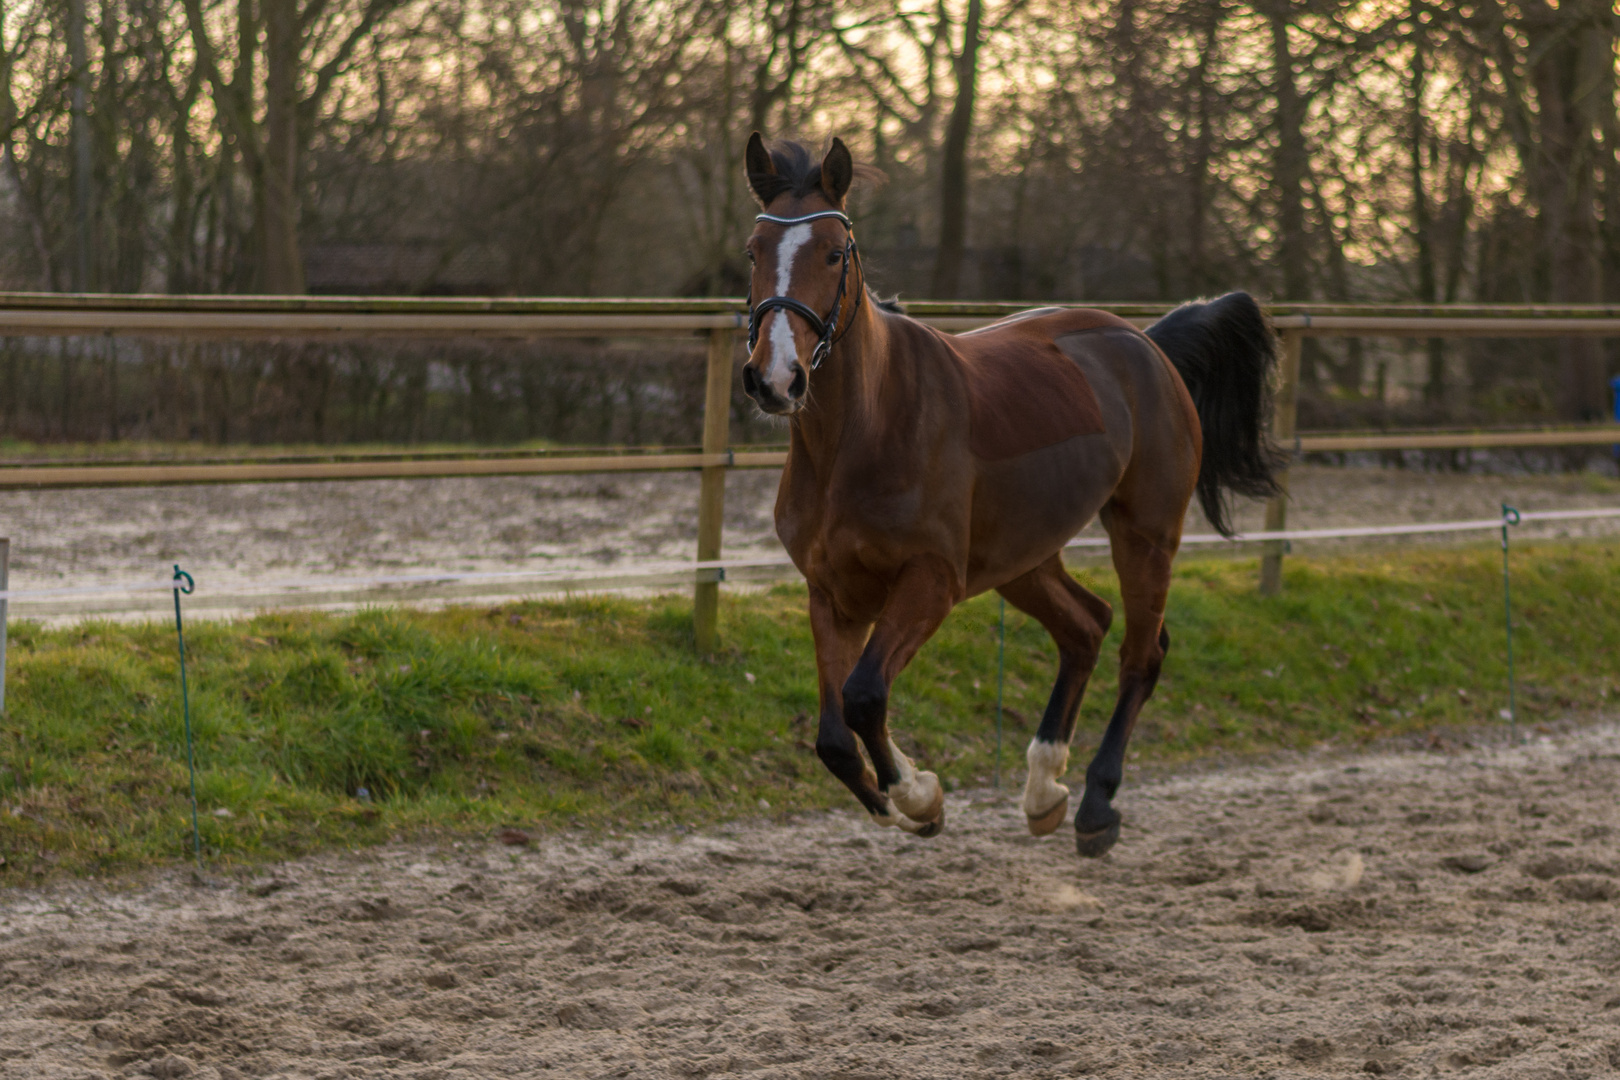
[(596, 711)]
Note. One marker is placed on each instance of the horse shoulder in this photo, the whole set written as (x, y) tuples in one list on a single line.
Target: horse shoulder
[(901, 480)]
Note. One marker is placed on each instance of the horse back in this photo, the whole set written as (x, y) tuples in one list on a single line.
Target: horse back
[(1027, 387)]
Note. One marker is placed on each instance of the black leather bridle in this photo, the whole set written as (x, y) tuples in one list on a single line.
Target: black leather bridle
[(824, 328)]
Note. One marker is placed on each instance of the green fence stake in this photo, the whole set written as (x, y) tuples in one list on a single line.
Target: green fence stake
[(183, 584), (1510, 516), (1001, 678)]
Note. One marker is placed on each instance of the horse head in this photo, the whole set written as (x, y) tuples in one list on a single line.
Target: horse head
[(806, 284)]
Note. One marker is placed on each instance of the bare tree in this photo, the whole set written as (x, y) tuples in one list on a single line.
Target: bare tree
[(1556, 63), (1110, 149), (306, 49), (953, 179)]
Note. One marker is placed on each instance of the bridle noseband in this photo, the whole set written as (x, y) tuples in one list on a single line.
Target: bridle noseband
[(824, 328)]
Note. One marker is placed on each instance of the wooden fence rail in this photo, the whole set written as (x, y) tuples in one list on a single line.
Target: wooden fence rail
[(58, 315)]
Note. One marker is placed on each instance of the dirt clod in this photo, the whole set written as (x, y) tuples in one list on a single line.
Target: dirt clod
[(376, 909), (171, 1067), (1312, 1050), (1466, 864), (1589, 889), (268, 887)]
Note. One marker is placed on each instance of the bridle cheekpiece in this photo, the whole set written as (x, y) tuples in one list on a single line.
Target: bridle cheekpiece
[(825, 328)]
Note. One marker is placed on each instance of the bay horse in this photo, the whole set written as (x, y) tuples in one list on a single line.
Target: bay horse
[(926, 468)]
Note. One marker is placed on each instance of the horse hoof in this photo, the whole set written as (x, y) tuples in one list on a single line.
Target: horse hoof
[(927, 830), (1046, 824), (924, 829), (1094, 845), (922, 799)]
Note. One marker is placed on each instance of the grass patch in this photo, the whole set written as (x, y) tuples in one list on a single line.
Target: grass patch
[(595, 711)]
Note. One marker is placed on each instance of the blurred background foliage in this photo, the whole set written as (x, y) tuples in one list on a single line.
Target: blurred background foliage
[(1307, 150)]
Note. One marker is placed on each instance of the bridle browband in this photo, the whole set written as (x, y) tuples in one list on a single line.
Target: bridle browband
[(824, 328)]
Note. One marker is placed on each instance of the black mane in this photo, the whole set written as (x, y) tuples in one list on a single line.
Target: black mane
[(797, 173)]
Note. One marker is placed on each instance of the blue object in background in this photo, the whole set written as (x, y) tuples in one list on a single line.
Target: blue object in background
[(1614, 384)]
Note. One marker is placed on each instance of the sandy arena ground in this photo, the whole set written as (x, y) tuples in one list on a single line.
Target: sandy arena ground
[(233, 537), (1451, 910)]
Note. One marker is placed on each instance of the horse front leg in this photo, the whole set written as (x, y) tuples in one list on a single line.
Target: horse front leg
[(838, 646), (918, 602)]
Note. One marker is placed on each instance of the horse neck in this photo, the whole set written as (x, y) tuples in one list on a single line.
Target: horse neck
[(845, 392)]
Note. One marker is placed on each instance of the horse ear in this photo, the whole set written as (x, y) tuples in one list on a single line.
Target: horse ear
[(837, 172), (761, 170)]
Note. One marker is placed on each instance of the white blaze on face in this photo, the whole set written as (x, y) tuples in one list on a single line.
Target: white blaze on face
[(784, 353)]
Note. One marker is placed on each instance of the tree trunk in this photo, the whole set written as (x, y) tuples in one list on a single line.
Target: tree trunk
[(1290, 164), (281, 265), (1563, 81), (1569, 48), (182, 223), (1289, 167), (953, 172), (1434, 388), (1198, 268), (768, 92), (83, 280)]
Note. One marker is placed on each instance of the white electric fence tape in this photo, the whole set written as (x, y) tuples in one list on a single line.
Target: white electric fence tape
[(645, 570), (1482, 525), (87, 590)]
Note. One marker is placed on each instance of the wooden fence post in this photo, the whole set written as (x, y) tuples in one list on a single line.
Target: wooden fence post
[(712, 496), (1282, 428)]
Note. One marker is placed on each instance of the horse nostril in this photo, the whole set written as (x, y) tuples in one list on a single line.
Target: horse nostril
[(801, 382), (750, 382)]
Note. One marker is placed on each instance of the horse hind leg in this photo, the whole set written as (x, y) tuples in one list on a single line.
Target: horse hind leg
[(1142, 559), (1078, 621), (921, 598)]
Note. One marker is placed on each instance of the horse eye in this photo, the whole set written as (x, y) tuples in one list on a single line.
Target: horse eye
[(748, 253), (835, 257)]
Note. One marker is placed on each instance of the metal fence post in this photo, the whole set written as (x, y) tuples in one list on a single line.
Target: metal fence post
[(1282, 427), (712, 495)]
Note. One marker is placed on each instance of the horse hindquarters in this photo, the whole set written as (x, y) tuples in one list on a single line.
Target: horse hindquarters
[(1143, 516), (1222, 353)]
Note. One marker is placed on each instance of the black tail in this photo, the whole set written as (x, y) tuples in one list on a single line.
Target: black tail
[(1225, 350)]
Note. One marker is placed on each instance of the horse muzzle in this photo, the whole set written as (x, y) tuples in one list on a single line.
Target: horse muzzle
[(763, 394)]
